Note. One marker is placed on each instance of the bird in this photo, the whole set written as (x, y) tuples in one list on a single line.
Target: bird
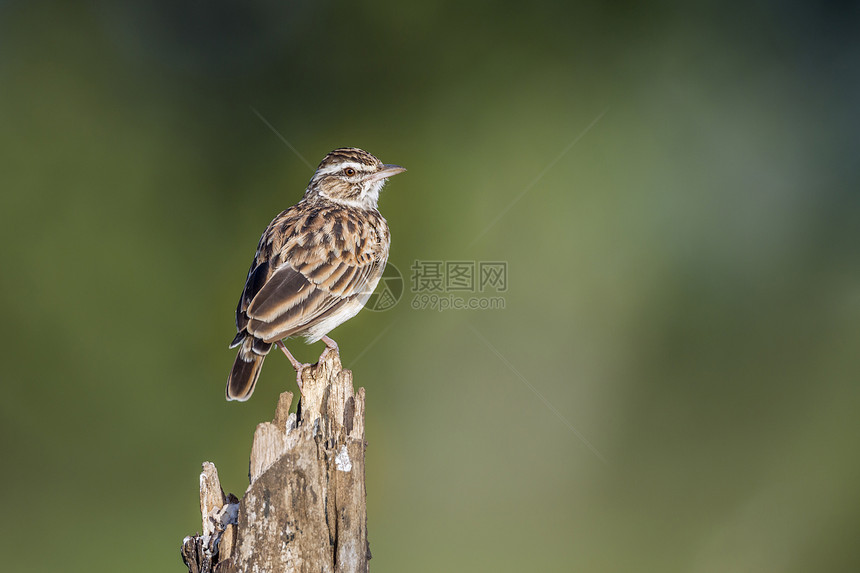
[(315, 267)]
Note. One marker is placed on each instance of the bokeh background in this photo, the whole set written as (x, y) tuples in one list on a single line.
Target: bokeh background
[(673, 384)]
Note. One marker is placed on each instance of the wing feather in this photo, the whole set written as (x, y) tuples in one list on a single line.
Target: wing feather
[(286, 289), (302, 273), (256, 279)]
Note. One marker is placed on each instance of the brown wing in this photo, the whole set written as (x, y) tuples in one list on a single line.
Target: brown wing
[(257, 277), (310, 263)]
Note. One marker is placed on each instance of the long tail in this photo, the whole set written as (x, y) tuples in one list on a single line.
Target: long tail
[(246, 368)]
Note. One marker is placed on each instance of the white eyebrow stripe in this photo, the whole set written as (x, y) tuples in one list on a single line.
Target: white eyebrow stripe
[(341, 166)]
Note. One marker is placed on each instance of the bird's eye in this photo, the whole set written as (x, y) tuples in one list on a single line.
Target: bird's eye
[(349, 171)]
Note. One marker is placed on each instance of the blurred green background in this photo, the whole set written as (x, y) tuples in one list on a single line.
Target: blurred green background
[(684, 286)]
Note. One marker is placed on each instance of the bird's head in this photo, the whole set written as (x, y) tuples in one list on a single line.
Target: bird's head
[(351, 176)]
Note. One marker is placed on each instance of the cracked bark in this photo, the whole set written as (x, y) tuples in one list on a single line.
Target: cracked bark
[(304, 509)]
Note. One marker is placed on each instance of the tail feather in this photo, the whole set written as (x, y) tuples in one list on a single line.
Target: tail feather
[(246, 369)]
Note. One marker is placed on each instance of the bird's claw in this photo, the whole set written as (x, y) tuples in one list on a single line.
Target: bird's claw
[(299, 371), (329, 346)]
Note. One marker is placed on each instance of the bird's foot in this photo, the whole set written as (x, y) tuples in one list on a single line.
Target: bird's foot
[(299, 378), (299, 366), (329, 346)]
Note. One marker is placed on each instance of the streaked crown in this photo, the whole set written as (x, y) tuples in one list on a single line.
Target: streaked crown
[(350, 176)]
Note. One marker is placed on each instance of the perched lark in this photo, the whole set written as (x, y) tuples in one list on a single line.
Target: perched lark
[(316, 265)]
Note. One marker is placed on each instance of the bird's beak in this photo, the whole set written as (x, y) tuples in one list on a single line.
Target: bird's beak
[(387, 171)]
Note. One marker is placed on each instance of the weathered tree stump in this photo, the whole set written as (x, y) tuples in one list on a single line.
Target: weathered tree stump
[(304, 509)]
